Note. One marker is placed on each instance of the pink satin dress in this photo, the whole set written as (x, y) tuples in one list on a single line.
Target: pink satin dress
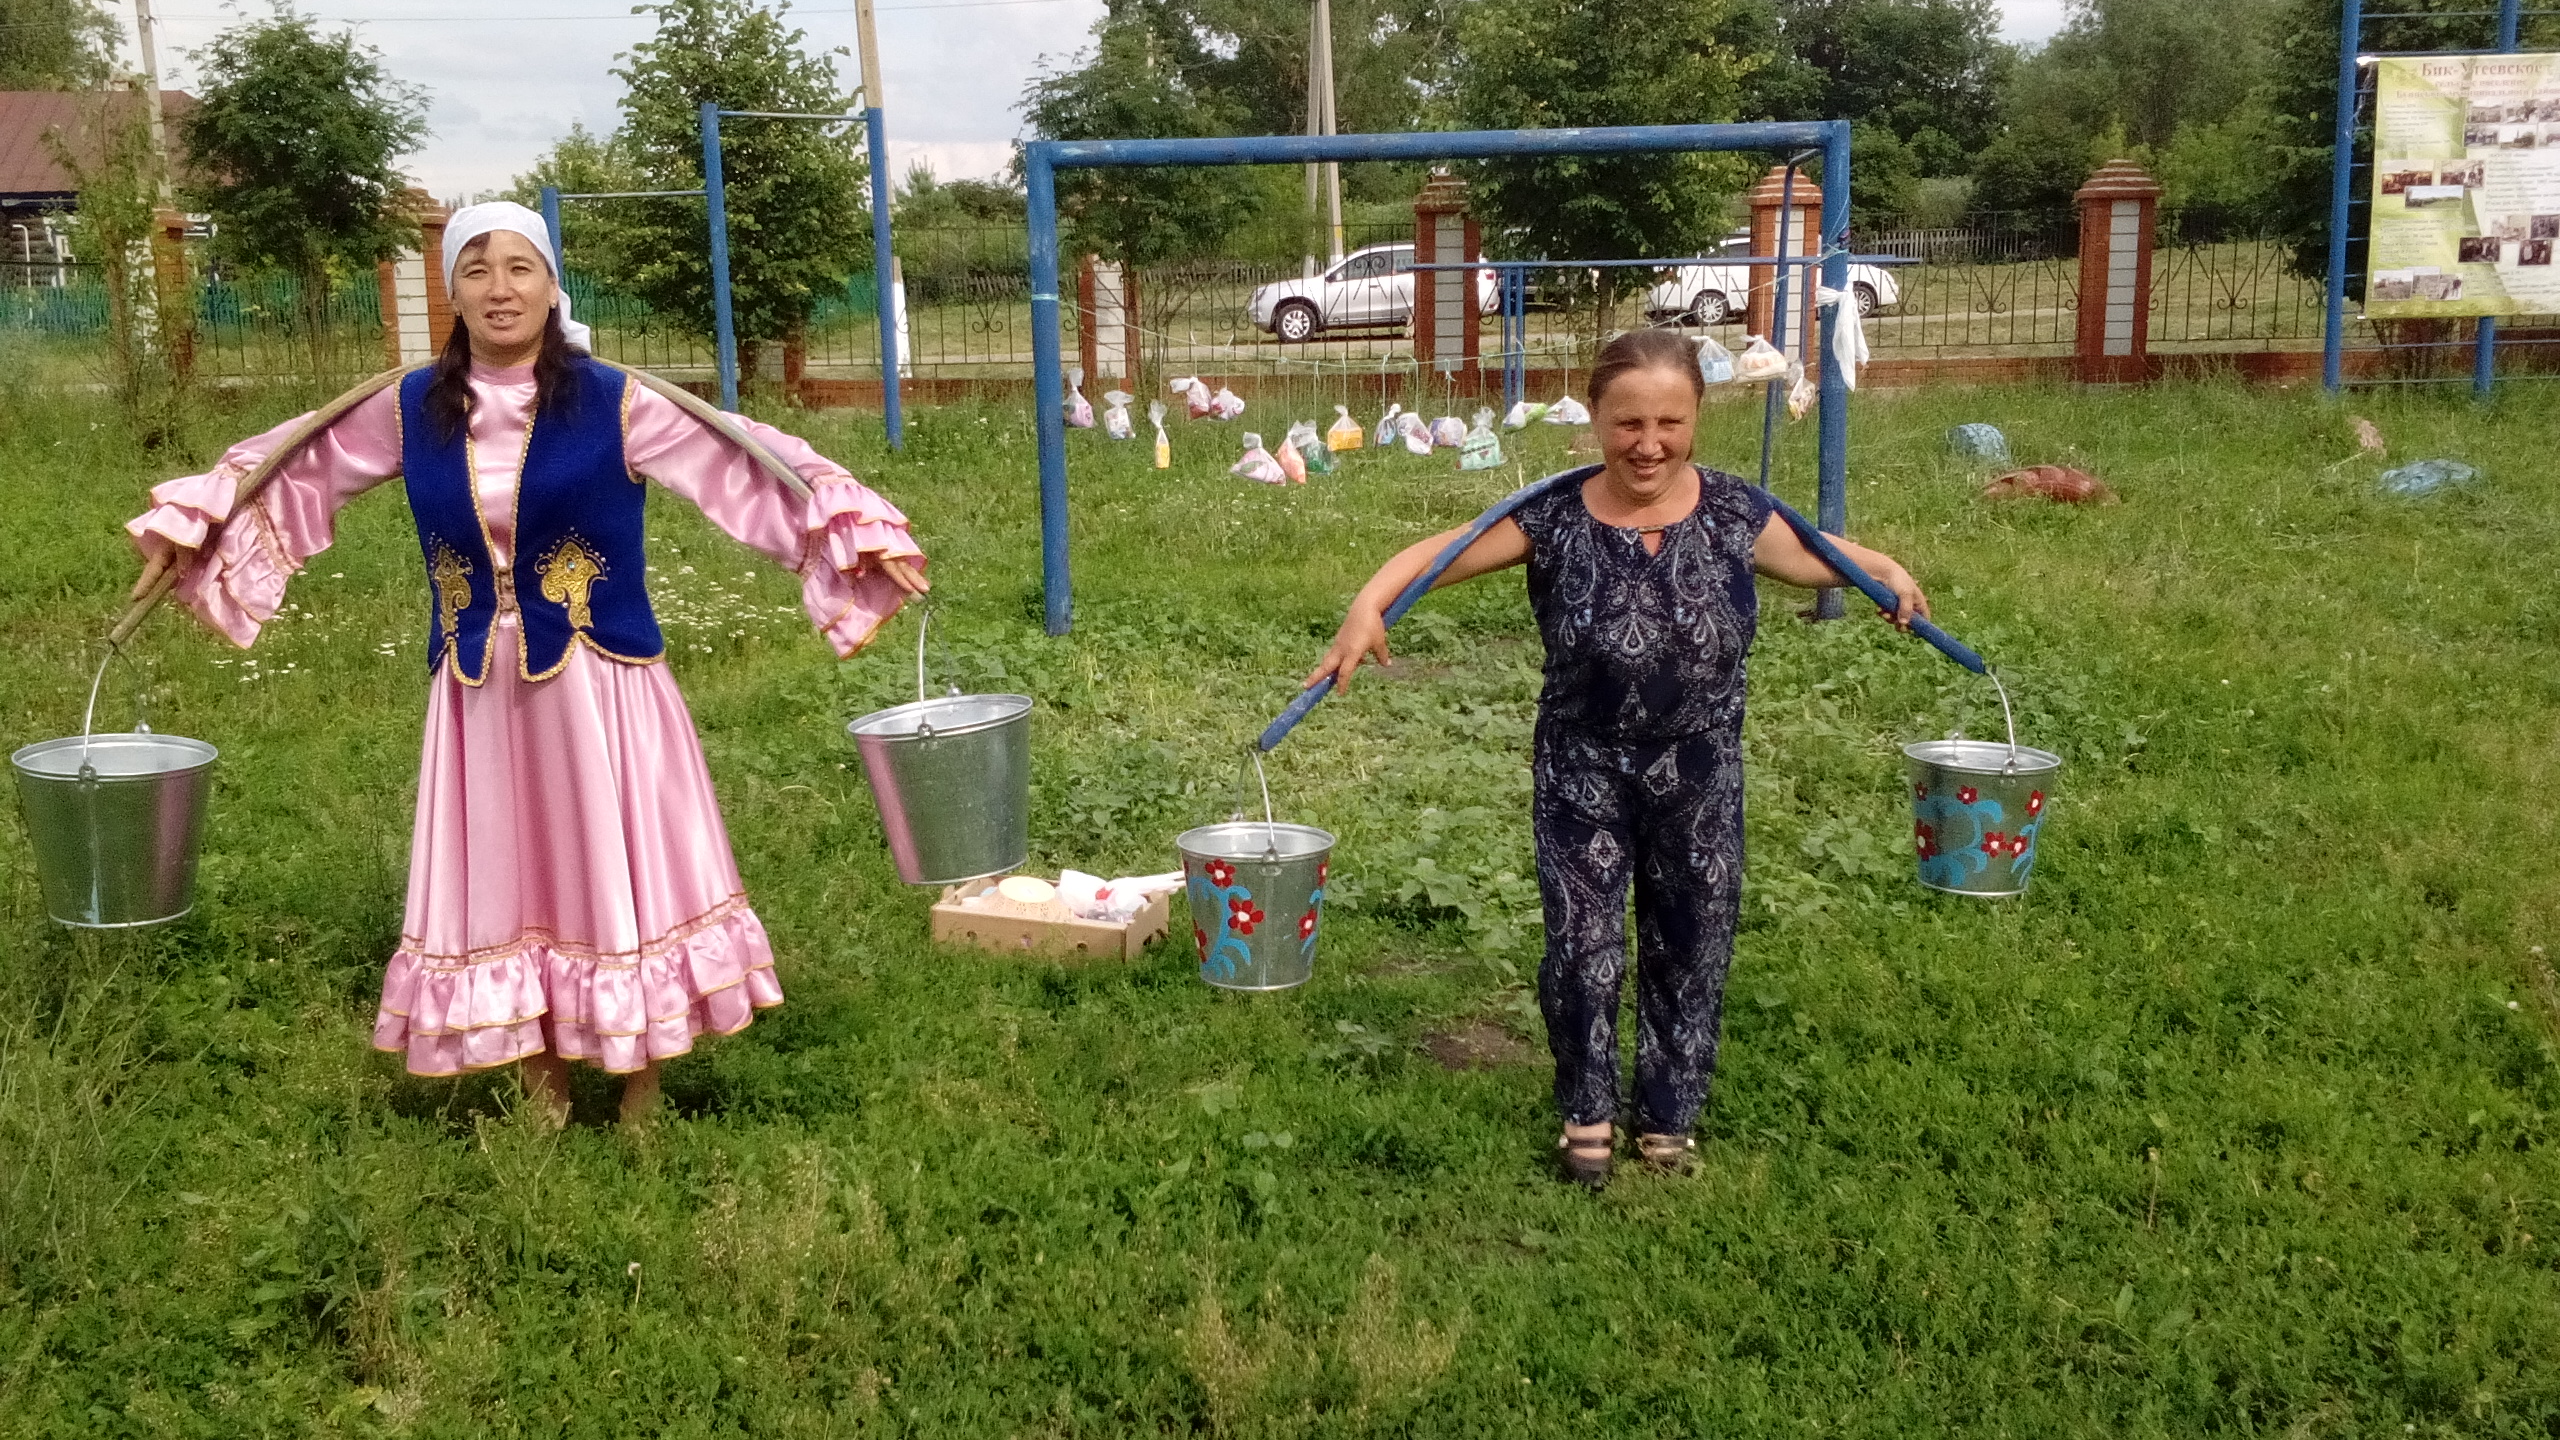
[(571, 886)]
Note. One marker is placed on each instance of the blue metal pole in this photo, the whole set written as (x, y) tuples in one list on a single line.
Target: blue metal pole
[(723, 327), (2484, 354), (876, 125), (1040, 194), (2342, 141), (1832, 467), (551, 222)]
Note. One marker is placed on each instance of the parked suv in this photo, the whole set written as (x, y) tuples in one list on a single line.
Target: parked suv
[(1373, 286), (1714, 293)]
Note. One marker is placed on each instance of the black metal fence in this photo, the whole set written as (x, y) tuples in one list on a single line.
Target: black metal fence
[(1995, 288)]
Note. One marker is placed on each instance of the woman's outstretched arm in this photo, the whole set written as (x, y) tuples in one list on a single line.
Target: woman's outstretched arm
[(1364, 630), (1782, 556)]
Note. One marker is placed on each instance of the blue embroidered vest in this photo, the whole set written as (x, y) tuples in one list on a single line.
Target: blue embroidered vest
[(577, 542)]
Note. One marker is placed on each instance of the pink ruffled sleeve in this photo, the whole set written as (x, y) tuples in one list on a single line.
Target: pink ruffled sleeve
[(235, 584), (834, 541)]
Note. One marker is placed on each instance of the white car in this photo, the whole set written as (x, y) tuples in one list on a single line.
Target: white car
[(1373, 286), (1712, 294)]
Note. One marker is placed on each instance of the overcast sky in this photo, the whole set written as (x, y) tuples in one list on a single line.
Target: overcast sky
[(506, 82)]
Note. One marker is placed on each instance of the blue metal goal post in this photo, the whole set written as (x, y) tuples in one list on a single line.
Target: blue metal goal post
[(1043, 159)]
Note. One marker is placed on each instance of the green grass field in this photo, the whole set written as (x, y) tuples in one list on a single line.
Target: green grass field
[(2241, 1123)]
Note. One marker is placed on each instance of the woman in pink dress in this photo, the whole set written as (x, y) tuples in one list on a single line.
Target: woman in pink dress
[(572, 895)]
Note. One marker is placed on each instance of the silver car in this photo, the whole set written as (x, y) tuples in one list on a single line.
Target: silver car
[(1714, 293), (1368, 287)]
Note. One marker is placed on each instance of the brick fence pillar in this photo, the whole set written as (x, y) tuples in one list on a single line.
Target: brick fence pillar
[(1447, 322), (1804, 237), (2116, 210), (1107, 324), (416, 313)]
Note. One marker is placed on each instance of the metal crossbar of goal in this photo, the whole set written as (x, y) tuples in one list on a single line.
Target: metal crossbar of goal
[(1043, 159)]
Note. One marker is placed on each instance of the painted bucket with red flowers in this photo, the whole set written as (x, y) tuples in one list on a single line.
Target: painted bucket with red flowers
[(1257, 900), (1976, 809)]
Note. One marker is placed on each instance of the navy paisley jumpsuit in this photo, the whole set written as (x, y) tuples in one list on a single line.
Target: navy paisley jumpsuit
[(1637, 777)]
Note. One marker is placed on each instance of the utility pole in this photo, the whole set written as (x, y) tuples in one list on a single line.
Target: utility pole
[(143, 26), (1322, 58), (1315, 122), (884, 263)]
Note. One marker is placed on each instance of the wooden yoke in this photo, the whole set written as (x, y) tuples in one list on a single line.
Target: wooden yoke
[(329, 414)]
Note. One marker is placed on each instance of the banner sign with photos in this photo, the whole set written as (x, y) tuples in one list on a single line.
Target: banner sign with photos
[(2466, 187)]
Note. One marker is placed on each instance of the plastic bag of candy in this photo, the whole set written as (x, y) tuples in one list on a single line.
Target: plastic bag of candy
[(1194, 395), (1314, 455), (1257, 463), (1482, 449)]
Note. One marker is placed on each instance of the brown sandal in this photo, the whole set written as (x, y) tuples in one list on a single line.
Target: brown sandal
[(1668, 1154), (1586, 1162)]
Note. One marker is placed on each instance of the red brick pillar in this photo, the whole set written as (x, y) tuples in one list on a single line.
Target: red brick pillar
[(2117, 207), (1804, 237), (175, 296), (416, 313), (1448, 326)]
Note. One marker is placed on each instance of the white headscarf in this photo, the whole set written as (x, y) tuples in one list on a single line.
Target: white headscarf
[(473, 221)]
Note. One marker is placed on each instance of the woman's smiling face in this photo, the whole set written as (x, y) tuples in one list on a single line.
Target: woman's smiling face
[(1647, 421), (503, 290)]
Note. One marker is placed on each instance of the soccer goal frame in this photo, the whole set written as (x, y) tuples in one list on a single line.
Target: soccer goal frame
[(1043, 159)]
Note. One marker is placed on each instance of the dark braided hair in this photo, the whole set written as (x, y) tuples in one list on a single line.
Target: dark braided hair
[(448, 398), (1645, 350)]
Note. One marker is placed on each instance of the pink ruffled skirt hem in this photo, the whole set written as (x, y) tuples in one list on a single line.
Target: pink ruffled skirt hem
[(571, 887), (620, 1014)]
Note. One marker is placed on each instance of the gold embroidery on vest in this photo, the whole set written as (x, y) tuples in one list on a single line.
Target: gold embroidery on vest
[(568, 572), (450, 572)]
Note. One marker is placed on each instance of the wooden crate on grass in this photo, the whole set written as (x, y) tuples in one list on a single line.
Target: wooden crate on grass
[(1011, 927)]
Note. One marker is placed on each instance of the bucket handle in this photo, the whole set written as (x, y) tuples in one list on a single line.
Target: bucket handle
[(1270, 827), (2007, 717), (924, 624), (89, 715)]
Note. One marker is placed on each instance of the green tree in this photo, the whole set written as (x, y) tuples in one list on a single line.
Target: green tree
[(928, 203), (55, 44), (2172, 83), (798, 217), (1250, 56), (1927, 72), (1131, 86), (296, 138), (583, 162), (112, 166), (1543, 64)]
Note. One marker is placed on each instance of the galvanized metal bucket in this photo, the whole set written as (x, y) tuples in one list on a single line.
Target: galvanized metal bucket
[(1977, 807), (114, 820), (952, 778), (1257, 895), (1257, 900)]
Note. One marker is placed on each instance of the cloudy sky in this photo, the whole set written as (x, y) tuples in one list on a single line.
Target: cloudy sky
[(507, 80)]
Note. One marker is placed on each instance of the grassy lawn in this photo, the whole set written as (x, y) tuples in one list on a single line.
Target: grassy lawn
[(2241, 1123)]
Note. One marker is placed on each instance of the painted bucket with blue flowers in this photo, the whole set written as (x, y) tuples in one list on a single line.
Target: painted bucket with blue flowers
[(1977, 807), (1256, 889)]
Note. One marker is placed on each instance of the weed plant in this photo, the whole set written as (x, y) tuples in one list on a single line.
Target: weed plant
[(2240, 1123)]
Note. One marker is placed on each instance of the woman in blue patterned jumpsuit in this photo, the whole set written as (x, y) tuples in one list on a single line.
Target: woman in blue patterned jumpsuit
[(1641, 581)]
